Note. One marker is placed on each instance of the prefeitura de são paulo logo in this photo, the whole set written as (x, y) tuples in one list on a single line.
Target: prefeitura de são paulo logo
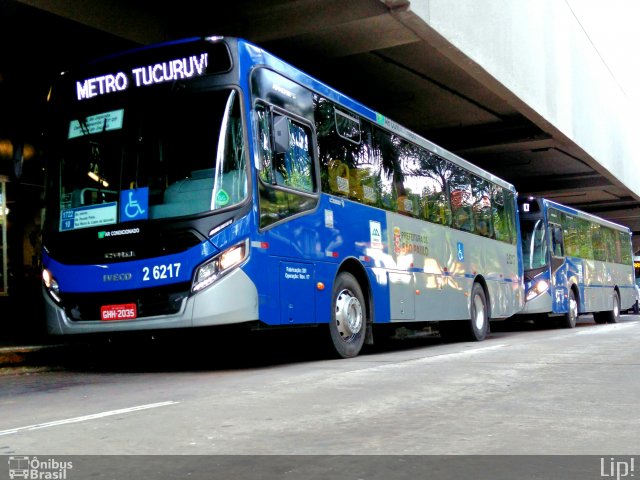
[(38, 469)]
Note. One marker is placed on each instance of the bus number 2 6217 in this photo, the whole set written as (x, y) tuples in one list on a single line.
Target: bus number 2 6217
[(161, 272)]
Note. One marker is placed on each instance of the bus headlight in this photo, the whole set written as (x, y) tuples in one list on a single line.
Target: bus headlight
[(51, 285), (209, 272), (540, 287)]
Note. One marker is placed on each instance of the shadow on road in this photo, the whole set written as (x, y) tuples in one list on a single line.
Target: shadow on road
[(210, 349), (239, 348)]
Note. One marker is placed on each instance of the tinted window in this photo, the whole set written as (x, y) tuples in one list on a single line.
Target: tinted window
[(284, 170)]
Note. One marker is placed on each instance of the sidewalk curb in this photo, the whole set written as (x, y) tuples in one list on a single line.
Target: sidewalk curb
[(25, 355)]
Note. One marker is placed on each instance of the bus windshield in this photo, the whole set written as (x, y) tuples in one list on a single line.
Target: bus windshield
[(534, 243), (149, 157)]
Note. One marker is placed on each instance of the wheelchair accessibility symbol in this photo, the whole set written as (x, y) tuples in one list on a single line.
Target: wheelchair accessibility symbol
[(460, 252), (134, 204)]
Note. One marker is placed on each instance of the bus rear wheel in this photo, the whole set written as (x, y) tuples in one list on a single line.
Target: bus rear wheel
[(614, 315), (476, 327), (348, 317), (611, 316), (479, 312)]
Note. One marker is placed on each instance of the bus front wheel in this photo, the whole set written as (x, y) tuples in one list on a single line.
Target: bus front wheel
[(348, 323), (569, 319)]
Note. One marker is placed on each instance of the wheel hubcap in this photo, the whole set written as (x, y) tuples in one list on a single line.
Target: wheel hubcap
[(348, 315), (479, 311), (573, 308), (616, 307)]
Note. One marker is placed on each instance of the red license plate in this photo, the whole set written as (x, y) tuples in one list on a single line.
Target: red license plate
[(126, 311)]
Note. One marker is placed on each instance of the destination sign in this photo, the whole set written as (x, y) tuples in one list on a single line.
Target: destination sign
[(91, 216), (169, 71)]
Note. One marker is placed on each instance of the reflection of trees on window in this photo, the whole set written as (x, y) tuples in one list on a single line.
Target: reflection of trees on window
[(611, 244), (481, 194), (534, 243), (625, 247), (293, 167), (585, 249), (286, 177), (264, 145), (510, 215), (571, 241), (599, 251), (386, 150), (597, 242), (347, 165), (438, 174), (504, 215), (366, 163), (617, 247), (348, 126), (557, 242), (461, 199), (409, 192)]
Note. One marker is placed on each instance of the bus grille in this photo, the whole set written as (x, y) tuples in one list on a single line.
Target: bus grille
[(150, 302), (169, 242), (155, 243)]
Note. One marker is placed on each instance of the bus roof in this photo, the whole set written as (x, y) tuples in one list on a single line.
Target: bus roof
[(585, 215), (257, 56), (261, 56)]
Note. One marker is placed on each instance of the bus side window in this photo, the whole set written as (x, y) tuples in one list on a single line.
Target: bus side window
[(481, 190), (461, 200), (286, 167), (293, 163), (557, 245), (436, 172)]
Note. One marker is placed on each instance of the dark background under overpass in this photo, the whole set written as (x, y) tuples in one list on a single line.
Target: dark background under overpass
[(361, 47)]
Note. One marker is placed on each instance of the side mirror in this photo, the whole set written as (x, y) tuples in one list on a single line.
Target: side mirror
[(281, 134)]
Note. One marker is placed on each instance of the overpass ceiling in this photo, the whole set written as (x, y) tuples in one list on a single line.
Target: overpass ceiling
[(381, 54)]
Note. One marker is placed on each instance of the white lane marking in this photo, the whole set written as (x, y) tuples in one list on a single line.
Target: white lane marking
[(596, 329), (463, 353), (86, 417), (423, 360)]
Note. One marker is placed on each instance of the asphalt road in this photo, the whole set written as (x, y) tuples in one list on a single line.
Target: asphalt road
[(526, 390)]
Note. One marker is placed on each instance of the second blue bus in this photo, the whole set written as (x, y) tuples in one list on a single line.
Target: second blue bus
[(575, 263)]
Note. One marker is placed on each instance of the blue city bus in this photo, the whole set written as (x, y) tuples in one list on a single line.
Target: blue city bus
[(574, 263), (206, 182)]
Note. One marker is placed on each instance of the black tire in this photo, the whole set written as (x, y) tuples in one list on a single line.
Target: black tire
[(610, 316), (474, 329), (348, 323), (450, 330), (569, 319), (613, 316), (600, 317), (479, 315)]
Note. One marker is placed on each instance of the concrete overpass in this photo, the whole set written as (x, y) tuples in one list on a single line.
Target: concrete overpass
[(515, 87)]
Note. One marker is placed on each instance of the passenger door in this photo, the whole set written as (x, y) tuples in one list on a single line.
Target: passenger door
[(559, 292)]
